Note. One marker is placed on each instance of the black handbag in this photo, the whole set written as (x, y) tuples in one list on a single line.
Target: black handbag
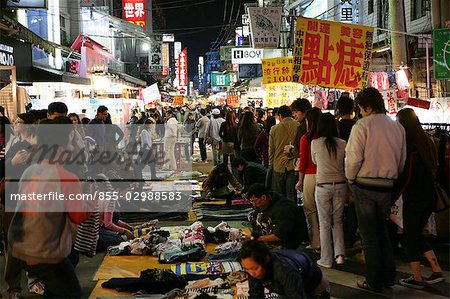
[(442, 200)]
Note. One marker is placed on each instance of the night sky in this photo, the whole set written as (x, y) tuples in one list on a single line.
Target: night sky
[(205, 13)]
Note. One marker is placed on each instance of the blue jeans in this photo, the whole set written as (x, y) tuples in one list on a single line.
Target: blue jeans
[(373, 209), (330, 201)]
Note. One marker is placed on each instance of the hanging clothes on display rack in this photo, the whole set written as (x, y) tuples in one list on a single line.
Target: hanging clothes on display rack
[(379, 80), (402, 78), (441, 134), (373, 80), (383, 81)]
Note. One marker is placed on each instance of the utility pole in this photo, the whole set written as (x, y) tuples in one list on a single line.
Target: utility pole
[(397, 23)]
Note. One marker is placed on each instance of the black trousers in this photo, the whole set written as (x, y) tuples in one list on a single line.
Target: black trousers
[(201, 144), (59, 279)]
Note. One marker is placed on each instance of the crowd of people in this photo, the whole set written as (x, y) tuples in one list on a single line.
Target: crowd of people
[(349, 167), (312, 177)]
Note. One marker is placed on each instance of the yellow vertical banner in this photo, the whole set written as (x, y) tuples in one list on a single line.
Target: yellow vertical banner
[(279, 94), (277, 70), (332, 54)]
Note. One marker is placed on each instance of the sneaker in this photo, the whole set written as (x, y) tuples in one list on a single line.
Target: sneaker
[(323, 265), (36, 287), (411, 283), (340, 260), (436, 277)]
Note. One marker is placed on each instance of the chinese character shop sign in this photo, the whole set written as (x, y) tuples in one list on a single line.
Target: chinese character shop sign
[(332, 54), (265, 26), (134, 12), (276, 70), (182, 71), (441, 54)]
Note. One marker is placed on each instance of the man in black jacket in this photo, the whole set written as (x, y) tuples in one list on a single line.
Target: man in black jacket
[(288, 273), (250, 172), (275, 220)]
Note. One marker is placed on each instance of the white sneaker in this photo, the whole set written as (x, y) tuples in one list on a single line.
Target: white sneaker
[(323, 265), (340, 260)]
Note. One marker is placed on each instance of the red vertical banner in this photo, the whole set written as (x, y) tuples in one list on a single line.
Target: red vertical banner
[(182, 72), (134, 12)]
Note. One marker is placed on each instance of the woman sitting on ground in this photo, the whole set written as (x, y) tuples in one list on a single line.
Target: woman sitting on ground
[(217, 184)]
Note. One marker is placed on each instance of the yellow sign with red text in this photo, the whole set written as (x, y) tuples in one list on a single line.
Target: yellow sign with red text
[(279, 94), (277, 70), (332, 54)]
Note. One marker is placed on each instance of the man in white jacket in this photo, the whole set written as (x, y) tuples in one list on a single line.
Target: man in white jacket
[(375, 156), (170, 139)]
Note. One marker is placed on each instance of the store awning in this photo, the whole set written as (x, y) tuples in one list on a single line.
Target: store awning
[(129, 78), (43, 74)]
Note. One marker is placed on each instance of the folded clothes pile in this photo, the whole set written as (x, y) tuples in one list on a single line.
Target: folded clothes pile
[(191, 246), (152, 281), (219, 212), (243, 289), (146, 245), (223, 233), (208, 268)]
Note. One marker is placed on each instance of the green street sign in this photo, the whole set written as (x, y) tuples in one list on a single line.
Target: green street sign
[(225, 53), (441, 54), (220, 79)]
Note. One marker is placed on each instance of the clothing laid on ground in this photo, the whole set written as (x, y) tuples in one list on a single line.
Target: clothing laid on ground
[(152, 281), (206, 212)]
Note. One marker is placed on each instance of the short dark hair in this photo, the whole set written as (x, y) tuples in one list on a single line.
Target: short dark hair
[(371, 97), (239, 161), (257, 190), (256, 250), (102, 109), (203, 111), (345, 105), (261, 113), (285, 111), (63, 132), (27, 118), (301, 105), (85, 120), (57, 107)]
